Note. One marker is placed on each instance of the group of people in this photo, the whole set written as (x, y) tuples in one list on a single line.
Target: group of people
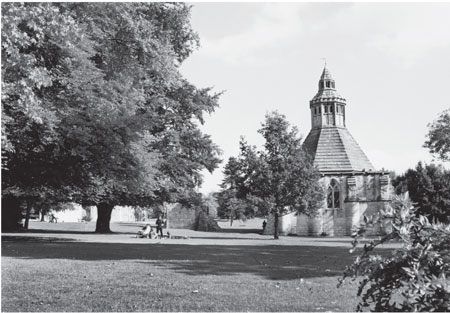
[(149, 232)]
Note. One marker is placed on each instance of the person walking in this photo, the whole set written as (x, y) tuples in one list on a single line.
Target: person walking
[(159, 224)]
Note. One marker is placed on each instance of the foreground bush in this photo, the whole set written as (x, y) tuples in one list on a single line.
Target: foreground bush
[(416, 276)]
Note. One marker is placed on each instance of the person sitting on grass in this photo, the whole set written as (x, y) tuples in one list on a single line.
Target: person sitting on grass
[(53, 219), (153, 234), (144, 232)]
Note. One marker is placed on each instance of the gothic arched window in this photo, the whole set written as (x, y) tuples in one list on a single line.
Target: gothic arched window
[(333, 195)]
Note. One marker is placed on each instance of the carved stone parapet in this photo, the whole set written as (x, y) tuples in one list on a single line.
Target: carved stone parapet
[(384, 186), (384, 180), (351, 184)]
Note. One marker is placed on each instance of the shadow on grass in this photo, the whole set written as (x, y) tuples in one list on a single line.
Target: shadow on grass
[(239, 231), (73, 232), (227, 238), (35, 239), (268, 261)]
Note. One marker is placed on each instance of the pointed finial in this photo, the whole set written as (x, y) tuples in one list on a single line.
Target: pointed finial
[(324, 61)]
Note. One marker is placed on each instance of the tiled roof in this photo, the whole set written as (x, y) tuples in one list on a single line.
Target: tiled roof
[(334, 149), (327, 95)]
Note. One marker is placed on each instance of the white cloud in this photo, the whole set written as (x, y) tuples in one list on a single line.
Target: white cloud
[(406, 32), (272, 25)]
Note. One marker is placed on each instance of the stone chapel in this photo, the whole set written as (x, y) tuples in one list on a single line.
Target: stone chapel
[(351, 184)]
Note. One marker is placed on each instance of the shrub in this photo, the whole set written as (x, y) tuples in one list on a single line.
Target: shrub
[(204, 222), (416, 276)]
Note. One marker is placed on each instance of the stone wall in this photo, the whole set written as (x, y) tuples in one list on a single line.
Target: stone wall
[(309, 226), (195, 219), (181, 217), (287, 224), (360, 194)]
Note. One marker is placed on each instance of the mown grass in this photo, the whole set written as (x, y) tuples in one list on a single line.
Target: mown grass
[(63, 275)]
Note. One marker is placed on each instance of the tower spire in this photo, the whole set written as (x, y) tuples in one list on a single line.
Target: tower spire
[(329, 141), (327, 106), (326, 80)]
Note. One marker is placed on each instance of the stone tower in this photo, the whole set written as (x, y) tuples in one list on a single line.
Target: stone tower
[(351, 185), (329, 141)]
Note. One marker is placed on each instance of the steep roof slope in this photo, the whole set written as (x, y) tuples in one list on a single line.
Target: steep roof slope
[(334, 149)]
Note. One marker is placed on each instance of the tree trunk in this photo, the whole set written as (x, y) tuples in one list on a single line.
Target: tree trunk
[(275, 232), (42, 215), (27, 215), (11, 214), (104, 211)]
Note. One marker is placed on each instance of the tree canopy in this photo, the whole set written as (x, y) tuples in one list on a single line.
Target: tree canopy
[(94, 107), (439, 136), (277, 179), (429, 189)]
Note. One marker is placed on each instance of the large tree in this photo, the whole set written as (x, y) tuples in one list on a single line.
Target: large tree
[(278, 179), (113, 121), (42, 48), (439, 136)]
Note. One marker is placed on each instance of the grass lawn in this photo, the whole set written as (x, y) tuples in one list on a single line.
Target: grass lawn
[(73, 271)]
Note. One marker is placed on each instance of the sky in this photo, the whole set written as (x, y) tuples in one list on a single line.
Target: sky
[(391, 61)]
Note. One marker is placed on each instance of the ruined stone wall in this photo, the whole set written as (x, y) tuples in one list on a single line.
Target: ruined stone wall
[(194, 219), (181, 217)]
